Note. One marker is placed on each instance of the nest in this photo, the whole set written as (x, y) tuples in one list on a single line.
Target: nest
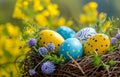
[(81, 67)]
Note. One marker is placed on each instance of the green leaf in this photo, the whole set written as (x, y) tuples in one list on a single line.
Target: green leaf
[(96, 59), (112, 48), (112, 63), (105, 66), (55, 59)]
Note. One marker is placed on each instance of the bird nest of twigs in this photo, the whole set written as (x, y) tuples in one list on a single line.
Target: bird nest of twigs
[(81, 67)]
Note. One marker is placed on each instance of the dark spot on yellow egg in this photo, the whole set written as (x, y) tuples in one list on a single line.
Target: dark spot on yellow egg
[(106, 45), (58, 44), (88, 52), (43, 42), (101, 45), (50, 34), (88, 43), (40, 38), (95, 40), (104, 39), (96, 49), (91, 45)]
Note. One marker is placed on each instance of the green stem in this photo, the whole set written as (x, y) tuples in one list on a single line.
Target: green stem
[(35, 48), (41, 54), (38, 64)]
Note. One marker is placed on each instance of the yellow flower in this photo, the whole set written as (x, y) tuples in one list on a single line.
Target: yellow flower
[(69, 23), (102, 16), (12, 30), (37, 5), (53, 9), (82, 19), (45, 13), (41, 19), (26, 49), (10, 48), (1, 29), (90, 15), (47, 2), (93, 17), (93, 5), (1, 52), (61, 22), (9, 70), (3, 73), (95, 13), (2, 40), (86, 9), (106, 26), (25, 4), (29, 31), (18, 13)]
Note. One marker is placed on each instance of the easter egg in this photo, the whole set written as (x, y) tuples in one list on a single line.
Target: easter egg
[(85, 34), (99, 43), (71, 47), (65, 32), (49, 36)]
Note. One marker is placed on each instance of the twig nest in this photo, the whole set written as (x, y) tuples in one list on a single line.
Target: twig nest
[(72, 69)]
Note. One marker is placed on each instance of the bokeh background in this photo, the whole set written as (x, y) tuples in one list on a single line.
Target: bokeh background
[(68, 8), (65, 10)]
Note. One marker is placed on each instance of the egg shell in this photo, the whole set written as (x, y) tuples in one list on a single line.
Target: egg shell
[(85, 34), (66, 32), (71, 46), (99, 43), (49, 36)]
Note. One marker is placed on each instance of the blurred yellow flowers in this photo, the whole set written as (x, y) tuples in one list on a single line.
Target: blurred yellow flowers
[(102, 16), (10, 45), (91, 17), (42, 12), (10, 42), (13, 31), (90, 13), (106, 26)]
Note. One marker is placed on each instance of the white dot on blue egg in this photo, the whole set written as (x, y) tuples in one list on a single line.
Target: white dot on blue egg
[(72, 47), (73, 50), (78, 50), (67, 52), (78, 56), (68, 44)]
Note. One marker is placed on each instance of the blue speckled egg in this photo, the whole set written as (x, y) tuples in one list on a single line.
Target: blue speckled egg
[(85, 34), (65, 32), (72, 47)]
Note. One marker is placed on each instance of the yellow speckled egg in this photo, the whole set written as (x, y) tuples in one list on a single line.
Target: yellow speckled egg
[(99, 43), (50, 36)]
